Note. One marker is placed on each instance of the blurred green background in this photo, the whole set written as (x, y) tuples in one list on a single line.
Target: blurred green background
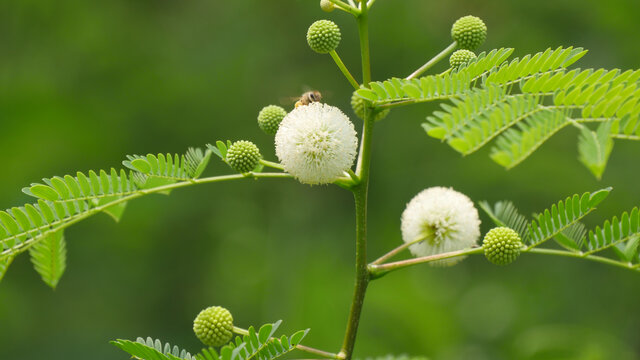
[(83, 83)]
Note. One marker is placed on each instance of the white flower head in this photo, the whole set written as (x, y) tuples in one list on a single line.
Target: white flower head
[(445, 218), (316, 143)]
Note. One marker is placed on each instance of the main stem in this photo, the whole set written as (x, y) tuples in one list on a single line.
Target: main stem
[(360, 193)]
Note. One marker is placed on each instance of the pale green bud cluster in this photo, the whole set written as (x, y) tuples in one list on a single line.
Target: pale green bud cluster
[(502, 245), (327, 5), (214, 326), (469, 32), (460, 57), (243, 156), (323, 36), (358, 104), (270, 117)]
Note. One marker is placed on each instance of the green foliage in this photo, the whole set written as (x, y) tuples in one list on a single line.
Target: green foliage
[(432, 87), (259, 345), (49, 257), (150, 349), (566, 213), (63, 201), (561, 222), (522, 103)]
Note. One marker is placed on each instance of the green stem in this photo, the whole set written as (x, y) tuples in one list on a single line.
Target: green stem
[(360, 193), (444, 53), (400, 248), (307, 349), (271, 164), (581, 255), (344, 69), (379, 270), (41, 232)]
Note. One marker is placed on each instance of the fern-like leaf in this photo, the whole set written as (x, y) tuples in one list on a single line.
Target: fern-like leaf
[(150, 349), (4, 266), (169, 167), (614, 232), (262, 345), (49, 257), (542, 62), (559, 217), (504, 213), (515, 145)]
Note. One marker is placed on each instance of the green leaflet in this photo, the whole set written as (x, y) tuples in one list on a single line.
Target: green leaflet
[(4, 266), (594, 148), (49, 257), (562, 215)]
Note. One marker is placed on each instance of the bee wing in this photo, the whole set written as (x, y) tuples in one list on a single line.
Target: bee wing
[(288, 100)]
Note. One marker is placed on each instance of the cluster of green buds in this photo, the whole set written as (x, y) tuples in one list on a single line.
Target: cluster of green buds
[(214, 326), (502, 245)]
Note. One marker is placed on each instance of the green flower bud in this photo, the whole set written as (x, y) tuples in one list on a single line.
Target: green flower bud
[(327, 5), (243, 156), (358, 105), (214, 326), (323, 36), (270, 117), (469, 32), (460, 57), (502, 245)]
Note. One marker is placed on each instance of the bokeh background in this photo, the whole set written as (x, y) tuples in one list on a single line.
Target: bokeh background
[(84, 83)]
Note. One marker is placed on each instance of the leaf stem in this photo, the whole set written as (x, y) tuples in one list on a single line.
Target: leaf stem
[(307, 349), (444, 53), (344, 69)]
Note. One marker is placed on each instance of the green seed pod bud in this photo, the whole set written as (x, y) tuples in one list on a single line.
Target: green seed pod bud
[(358, 105), (502, 245), (270, 117), (327, 5), (323, 36), (460, 57), (243, 156), (214, 326), (469, 32)]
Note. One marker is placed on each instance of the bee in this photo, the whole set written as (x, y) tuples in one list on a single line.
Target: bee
[(308, 98)]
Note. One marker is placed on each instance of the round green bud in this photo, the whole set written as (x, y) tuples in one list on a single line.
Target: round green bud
[(469, 32), (243, 156), (358, 104), (327, 5), (460, 57), (502, 245), (323, 36), (214, 326), (270, 117)]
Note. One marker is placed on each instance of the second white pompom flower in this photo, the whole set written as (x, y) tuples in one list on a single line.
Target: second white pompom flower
[(316, 143), (444, 218)]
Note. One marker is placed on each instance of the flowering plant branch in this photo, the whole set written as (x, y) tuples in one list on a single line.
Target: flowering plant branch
[(317, 144)]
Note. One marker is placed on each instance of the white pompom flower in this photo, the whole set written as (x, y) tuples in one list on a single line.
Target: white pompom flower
[(445, 219), (316, 143)]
